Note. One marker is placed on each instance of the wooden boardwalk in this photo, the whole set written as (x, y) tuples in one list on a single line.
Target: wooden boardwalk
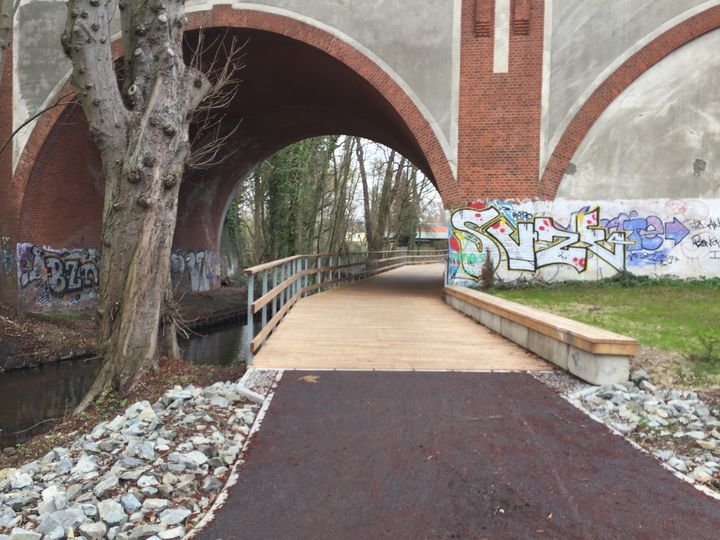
[(395, 321)]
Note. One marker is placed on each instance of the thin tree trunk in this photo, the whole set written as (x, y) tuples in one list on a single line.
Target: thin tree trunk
[(341, 178), (388, 197), (415, 210), (259, 217), (366, 193), (142, 136)]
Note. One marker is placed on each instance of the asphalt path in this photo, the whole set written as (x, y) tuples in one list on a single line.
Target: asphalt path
[(370, 455)]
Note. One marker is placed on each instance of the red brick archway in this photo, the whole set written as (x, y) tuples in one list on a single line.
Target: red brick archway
[(51, 146), (613, 86)]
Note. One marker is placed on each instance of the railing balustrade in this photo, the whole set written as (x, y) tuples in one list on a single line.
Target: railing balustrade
[(293, 278)]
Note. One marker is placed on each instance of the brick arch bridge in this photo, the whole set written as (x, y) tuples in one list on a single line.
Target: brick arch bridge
[(490, 98)]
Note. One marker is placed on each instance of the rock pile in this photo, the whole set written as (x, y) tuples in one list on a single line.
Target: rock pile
[(150, 473), (676, 426)]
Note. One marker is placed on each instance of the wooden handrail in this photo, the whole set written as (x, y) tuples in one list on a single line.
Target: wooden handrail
[(270, 295), (272, 264)]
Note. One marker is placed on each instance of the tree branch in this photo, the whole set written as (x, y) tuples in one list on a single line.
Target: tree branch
[(86, 42), (58, 103)]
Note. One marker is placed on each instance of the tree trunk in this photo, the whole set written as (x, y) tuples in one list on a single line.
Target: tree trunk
[(142, 136), (414, 211), (259, 215), (366, 193), (341, 177)]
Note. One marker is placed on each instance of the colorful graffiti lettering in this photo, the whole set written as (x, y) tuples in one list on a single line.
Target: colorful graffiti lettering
[(539, 239), (49, 276), (527, 246), (60, 278), (648, 233), (195, 270)]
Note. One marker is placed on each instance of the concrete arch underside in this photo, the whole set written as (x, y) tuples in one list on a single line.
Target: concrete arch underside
[(298, 82), (613, 86)]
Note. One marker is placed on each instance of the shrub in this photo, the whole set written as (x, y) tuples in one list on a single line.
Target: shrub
[(487, 274)]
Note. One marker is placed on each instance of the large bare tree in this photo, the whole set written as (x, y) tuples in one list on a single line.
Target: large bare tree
[(140, 122), (7, 12)]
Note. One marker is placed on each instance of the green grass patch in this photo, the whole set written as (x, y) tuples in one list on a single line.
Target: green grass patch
[(673, 315)]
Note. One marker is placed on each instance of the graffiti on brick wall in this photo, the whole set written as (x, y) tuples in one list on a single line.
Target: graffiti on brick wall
[(195, 270), (577, 240), (50, 277), (7, 256)]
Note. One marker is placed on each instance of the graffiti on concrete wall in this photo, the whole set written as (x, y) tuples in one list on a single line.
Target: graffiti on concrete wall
[(195, 270), (54, 278), (562, 239)]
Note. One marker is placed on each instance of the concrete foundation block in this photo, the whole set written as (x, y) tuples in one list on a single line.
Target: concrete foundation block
[(548, 348), (494, 322), (598, 369), (594, 368), (515, 332)]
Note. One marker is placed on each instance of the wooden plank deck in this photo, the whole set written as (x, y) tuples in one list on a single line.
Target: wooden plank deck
[(395, 321)]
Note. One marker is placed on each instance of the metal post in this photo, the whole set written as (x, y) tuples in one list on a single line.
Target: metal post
[(275, 284), (296, 271), (303, 279), (299, 267), (286, 276), (307, 276), (251, 333), (318, 266), (264, 292)]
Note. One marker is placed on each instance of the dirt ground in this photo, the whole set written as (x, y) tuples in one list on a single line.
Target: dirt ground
[(668, 369), (28, 340)]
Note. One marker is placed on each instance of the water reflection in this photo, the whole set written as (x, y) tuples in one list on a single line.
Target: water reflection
[(30, 396), (220, 347)]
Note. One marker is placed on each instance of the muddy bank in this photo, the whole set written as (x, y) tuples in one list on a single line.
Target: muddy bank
[(29, 340), (32, 340)]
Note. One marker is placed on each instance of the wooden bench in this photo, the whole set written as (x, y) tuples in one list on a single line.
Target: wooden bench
[(595, 355)]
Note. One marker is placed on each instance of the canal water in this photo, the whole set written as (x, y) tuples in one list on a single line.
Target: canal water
[(33, 400)]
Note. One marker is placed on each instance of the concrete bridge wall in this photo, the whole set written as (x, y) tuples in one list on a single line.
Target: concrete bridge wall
[(494, 99)]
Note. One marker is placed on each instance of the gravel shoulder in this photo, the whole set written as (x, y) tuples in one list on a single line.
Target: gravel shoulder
[(152, 471), (679, 428)]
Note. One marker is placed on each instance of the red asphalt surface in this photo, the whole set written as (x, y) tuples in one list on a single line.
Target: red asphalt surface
[(370, 455)]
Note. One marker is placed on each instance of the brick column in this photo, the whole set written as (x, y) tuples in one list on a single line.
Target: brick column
[(499, 139)]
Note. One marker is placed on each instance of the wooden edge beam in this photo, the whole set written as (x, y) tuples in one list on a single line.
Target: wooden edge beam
[(580, 335)]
